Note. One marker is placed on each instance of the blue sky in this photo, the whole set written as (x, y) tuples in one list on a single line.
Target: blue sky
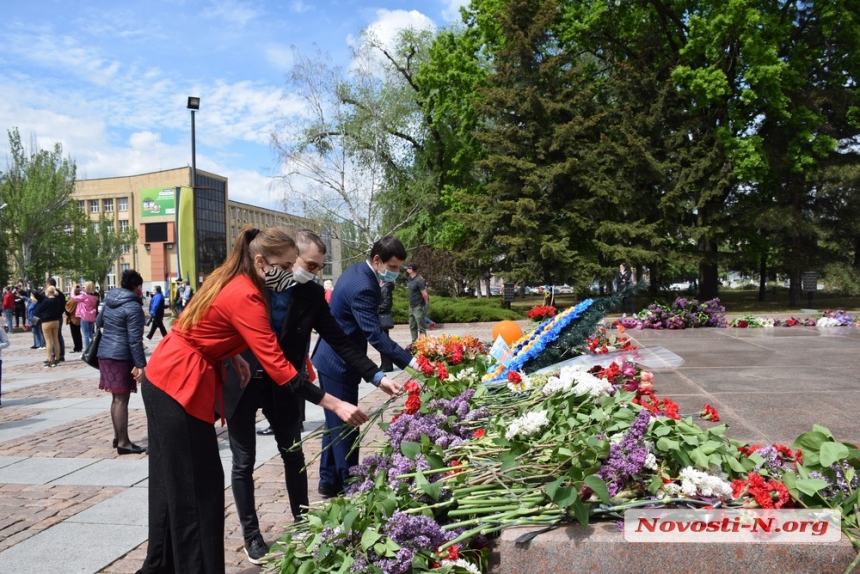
[(110, 80)]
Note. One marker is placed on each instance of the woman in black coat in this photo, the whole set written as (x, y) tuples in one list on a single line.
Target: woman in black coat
[(121, 353)]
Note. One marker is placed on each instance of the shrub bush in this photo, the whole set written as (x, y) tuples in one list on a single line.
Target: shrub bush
[(456, 310)]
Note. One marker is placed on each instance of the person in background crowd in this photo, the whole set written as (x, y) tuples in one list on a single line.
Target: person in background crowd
[(297, 310), (184, 381), (35, 327), (73, 321), (50, 314), (385, 303), (8, 307), (51, 282), (419, 301), (355, 305), (4, 343), (328, 288), (156, 312), (120, 353), (187, 292), (87, 309), (179, 299), (623, 281), (22, 297)]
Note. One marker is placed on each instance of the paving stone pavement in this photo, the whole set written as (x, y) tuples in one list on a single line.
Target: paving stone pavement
[(68, 503)]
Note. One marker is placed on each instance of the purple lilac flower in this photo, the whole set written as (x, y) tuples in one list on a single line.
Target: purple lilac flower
[(772, 461), (626, 458), (843, 485), (417, 532)]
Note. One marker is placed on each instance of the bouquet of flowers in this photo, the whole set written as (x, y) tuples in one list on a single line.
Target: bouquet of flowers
[(541, 313)]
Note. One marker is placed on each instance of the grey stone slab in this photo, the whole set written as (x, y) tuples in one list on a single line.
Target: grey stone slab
[(41, 470), (775, 379), (7, 460), (783, 419), (46, 403), (72, 548), (43, 421), (109, 472), (128, 508)]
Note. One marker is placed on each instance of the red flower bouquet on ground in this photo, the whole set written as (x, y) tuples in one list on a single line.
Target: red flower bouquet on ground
[(541, 313)]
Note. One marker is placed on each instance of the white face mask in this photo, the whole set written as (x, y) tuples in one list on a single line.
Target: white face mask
[(302, 275)]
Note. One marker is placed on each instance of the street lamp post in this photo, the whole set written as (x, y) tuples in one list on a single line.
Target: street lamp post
[(193, 105)]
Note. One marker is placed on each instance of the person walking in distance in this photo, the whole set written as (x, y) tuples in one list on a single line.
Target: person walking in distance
[(419, 301), (156, 313)]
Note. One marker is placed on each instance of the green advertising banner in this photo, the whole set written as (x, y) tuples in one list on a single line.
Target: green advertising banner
[(158, 202)]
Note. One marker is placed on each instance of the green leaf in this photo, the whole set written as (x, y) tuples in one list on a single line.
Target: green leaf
[(410, 449), (810, 485), (435, 462), (433, 490), (661, 430), (734, 464), (552, 487), (832, 452), (581, 511), (667, 444), (308, 567), (369, 538), (598, 485), (700, 458), (823, 430), (350, 517)]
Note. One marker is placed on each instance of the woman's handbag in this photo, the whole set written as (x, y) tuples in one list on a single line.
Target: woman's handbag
[(91, 353), (386, 321)]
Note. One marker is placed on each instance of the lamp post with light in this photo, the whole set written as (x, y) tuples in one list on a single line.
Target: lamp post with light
[(193, 105)]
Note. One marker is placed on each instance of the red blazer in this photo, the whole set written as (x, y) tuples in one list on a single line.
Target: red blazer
[(188, 365)]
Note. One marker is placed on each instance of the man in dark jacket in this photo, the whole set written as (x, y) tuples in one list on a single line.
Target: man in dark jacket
[(156, 312), (296, 312)]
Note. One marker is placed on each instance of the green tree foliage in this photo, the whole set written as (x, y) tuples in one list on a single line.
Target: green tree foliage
[(37, 186), (47, 233)]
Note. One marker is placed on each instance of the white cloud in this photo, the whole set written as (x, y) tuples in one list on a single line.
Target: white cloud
[(299, 7), (451, 12), (231, 11), (389, 23), (280, 56)]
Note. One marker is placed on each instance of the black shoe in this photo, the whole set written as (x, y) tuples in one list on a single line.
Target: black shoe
[(62, 360), (34, 347), (77, 350), (114, 443), (328, 492), (266, 431), (133, 450), (256, 549)]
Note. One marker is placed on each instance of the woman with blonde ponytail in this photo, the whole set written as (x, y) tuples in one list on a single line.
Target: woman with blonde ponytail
[(181, 389)]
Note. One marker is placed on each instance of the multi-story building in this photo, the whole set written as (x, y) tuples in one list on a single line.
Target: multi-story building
[(182, 234)]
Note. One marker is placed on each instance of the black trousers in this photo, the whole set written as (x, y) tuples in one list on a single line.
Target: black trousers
[(186, 490), (386, 366), (157, 323), (282, 409), (76, 337)]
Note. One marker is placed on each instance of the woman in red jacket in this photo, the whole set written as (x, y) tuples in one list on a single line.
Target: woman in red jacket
[(182, 387)]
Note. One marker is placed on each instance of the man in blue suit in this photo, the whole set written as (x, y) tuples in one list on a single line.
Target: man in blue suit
[(355, 305)]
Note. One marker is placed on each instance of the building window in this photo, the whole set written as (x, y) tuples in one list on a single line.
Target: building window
[(123, 225), (325, 235), (109, 226), (122, 204), (126, 249), (94, 206), (108, 205), (124, 267), (82, 205), (111, 280)]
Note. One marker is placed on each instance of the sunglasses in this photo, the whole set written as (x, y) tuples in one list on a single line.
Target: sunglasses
[(312, 266)]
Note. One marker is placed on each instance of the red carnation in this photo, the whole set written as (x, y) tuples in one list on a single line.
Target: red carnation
[(413, 404), (514, 377), (441, 371), (480, 433)]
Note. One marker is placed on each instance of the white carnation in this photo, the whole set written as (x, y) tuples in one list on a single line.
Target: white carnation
[(466, 374), (650, 461), (699, 482)]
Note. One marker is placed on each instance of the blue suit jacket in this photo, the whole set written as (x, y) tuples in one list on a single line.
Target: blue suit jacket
[(355, 305)]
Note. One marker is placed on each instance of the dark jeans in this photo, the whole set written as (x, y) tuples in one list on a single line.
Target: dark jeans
[(157, 323), (283, 411), (339, 438), (186, 490), (20, 316), (76, 337), (627, 301)]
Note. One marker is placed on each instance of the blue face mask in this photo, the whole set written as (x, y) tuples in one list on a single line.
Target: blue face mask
[(389, 276)]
